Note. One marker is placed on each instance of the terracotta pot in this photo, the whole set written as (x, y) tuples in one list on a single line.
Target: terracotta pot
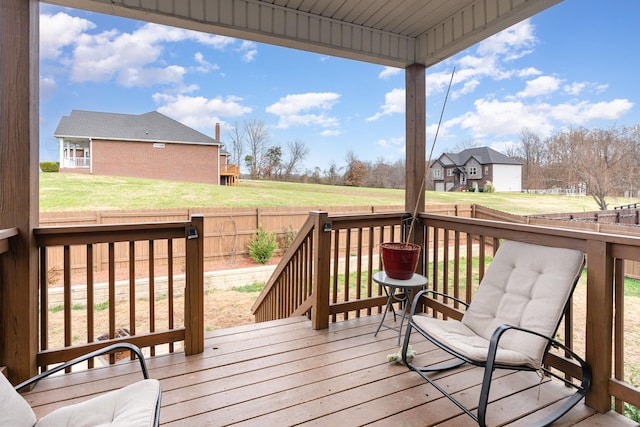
[(400, 259)]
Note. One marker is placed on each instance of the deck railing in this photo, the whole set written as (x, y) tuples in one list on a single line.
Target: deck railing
[(86, 326), (76, 162), (229, 169), (456, 252)]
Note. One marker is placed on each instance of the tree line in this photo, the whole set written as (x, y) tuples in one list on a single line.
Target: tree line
[(603, 162), (251, 146)]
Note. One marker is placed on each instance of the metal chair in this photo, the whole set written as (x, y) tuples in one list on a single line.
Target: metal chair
[(510, 323), (137, 404)]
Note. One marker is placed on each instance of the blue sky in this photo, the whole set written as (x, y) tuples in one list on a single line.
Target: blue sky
[(572, 65)]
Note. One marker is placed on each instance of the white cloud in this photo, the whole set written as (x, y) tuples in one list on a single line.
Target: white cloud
[(507, 118), (467, 88), (296, 109), (130, 59), (394, 102), (58, 31), (584, 112), (204, 66), (528, 72), (543, 85), (512, 43), (248, 50), (200, 112), (390, 143), (574, 88), (388, 72), (487, 62), (47, 86)]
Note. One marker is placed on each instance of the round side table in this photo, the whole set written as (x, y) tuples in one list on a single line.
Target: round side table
[(410, 287)]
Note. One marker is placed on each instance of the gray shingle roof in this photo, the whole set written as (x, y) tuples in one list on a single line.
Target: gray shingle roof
[(151, 126), (484, 156)]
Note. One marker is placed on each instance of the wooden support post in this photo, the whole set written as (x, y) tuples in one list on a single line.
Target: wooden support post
[(19, 146), (415, 149), (599, 323), (194, 292), (321, 271)]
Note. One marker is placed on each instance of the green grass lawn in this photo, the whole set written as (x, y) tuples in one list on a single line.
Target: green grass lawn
[(73, 192)]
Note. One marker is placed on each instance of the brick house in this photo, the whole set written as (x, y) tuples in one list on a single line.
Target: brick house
[(149, 145), (473, 168)]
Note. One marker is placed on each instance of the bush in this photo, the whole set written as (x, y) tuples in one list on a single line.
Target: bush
[(50, 166), (261, 248), (489, 188), (288, 236)]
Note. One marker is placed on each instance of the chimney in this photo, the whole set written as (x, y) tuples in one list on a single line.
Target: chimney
[(217, 131)]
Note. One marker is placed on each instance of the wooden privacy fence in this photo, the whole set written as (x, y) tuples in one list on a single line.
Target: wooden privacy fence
[(226, 232)]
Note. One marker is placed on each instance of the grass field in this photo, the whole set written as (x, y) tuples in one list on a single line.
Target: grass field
[(73, 192)]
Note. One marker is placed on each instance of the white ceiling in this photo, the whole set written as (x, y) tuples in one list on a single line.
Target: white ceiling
[(388, 32)]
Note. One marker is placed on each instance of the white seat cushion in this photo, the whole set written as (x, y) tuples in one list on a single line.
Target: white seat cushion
[(133, 405), (464, 341), (14, 410)]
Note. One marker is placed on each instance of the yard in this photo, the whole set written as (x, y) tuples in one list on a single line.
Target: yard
[(92, 192)]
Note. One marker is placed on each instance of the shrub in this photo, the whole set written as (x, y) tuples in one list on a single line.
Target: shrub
[(489, 188), (50, 166), (262, 247), (288, 236)]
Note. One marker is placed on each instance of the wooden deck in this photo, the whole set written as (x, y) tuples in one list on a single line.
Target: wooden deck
[(284, 373)]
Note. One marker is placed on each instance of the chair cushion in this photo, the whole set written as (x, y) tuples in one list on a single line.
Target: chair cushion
[(14, 410), (133, 405), (455, 335), (527, 286)]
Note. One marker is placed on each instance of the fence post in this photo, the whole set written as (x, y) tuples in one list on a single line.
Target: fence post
[(322, 269), (194, 292), (599, 323)]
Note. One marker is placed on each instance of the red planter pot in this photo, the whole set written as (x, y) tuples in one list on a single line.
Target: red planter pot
[(400, 259)]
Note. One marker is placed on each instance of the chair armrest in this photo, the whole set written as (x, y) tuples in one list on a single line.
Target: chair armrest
[(447, 296), (99, 352), (424, 292), (497, 334)]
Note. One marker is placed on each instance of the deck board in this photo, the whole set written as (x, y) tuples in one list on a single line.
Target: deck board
[(285, 373)]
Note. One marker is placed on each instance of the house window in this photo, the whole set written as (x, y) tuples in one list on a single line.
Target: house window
[(473, 170), (449, 172), (486, 170), (437, 173)]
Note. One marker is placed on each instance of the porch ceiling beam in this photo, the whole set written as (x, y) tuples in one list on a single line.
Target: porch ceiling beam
[(394, 33)]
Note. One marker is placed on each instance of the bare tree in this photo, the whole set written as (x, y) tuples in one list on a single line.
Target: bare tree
[(463, 145), (333, 174), (297, 151), (257, 137), (237, 137), (602, 160), (531, 153)]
